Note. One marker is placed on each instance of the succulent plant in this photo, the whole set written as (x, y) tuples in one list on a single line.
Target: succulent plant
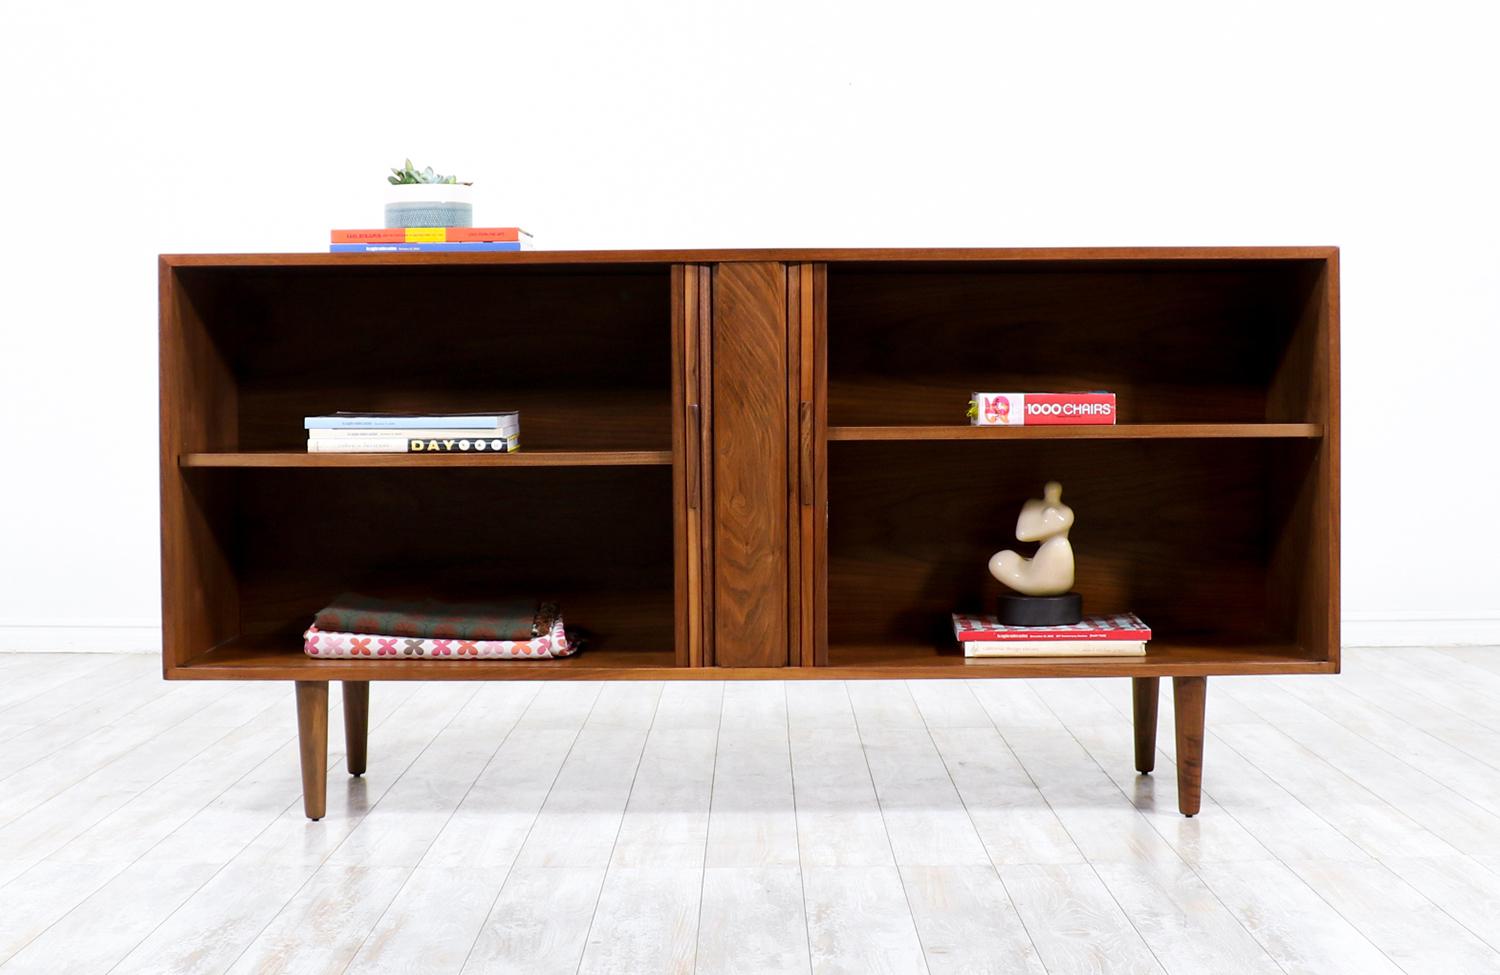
[(411, 174)]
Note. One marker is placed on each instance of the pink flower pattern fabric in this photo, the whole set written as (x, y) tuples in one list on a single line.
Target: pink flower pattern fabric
[(553, 643)]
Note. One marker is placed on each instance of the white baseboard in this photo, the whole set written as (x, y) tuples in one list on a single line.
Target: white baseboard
[(1359, 629), (104, 637), (1420, 630)]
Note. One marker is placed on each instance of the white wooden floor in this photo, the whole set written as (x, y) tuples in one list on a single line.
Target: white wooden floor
[(1349, 824)]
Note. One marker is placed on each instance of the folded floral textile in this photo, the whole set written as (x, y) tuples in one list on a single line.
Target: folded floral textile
[(553, 642), (509, 619)]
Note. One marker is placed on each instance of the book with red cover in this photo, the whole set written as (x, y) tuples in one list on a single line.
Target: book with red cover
[(1121, 626), (429, 235), (1028, 409)]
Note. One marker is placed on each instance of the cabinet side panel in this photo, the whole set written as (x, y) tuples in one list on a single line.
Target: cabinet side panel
[(750, 465), (200, 605), (1304, 594), (1333, 446)]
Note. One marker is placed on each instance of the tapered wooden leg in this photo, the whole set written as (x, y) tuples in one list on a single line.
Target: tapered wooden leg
[(1146, 691), (356, 724), (1188, 695), (312, 733)]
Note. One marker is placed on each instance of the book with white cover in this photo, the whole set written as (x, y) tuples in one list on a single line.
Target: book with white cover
[(377, 433)]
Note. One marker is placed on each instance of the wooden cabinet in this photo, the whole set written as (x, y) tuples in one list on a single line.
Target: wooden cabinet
[(755, 464)]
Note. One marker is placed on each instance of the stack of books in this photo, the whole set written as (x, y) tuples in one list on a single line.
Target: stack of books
[(408, 433), (440, 240), (355, 626), (1121, 635)]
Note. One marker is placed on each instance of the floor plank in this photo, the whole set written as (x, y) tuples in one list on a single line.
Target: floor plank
[(104, 927), (1074, 922), (752, 922), (431, 923), (324, 924), (1012, 817), (539, 925), (967, 923), (1296, 927), (646, 921), (751, 820), (1184, 924), (1410, 929), (859, 923)]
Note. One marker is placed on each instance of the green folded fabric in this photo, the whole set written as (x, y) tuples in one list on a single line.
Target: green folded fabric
[(509, 619)]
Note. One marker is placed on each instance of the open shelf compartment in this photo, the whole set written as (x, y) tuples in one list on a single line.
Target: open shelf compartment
[(1222, 547), (1219, 347), (598, 541), (584, 352), (258, 534)]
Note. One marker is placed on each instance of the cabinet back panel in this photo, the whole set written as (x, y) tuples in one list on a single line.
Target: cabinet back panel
[(1195, 343), (599, 540), (585, 354)]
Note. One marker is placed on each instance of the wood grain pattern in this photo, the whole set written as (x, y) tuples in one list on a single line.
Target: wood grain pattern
[(1108, 256), (1188, 698), (278, 657), (356, 724), (752, 922), (199, 403), (967, 923), (1128, 431), (522, 458), (684, 471), (1145, 693), (819, 581), (1076, 925), (705, 343), (750, 466), (312, 735)]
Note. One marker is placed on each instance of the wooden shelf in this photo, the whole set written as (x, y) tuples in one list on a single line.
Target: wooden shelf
[(1129, 431), (1161, 660), (267, 658), (523, 458)]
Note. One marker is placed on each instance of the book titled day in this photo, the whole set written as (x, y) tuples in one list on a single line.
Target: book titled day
[(414, 445)]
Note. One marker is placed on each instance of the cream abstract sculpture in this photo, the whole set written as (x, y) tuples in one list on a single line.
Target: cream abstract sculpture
[(1050, 571)]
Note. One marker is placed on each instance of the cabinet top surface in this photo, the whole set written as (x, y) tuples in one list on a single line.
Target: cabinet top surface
[(831, 255)]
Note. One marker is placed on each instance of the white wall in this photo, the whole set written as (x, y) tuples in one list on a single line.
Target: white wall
[(130, 129)]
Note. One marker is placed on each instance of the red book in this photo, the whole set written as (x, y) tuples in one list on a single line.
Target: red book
[(429, 235), (1121, 626), (1028, 409)]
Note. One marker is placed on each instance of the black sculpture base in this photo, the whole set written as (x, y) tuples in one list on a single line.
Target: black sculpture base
[(1061, 610)]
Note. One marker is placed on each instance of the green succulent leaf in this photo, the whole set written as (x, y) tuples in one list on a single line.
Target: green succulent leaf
[(410, 174)]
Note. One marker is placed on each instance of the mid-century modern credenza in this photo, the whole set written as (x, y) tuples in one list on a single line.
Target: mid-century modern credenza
[(754, 464)]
